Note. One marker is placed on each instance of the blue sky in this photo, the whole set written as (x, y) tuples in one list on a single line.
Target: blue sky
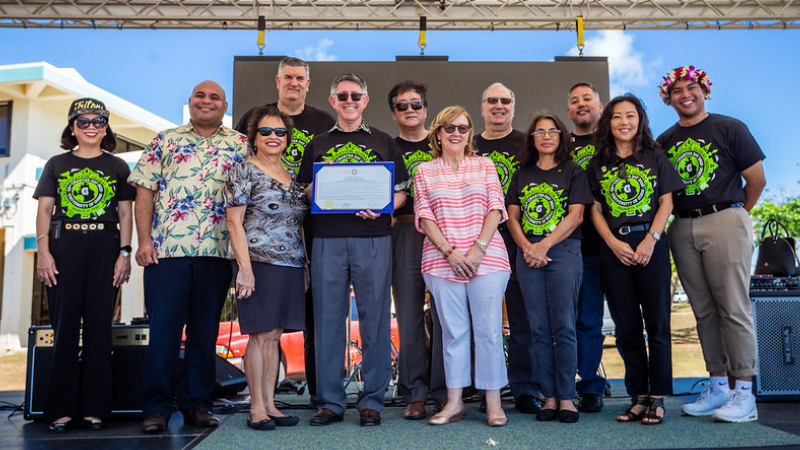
[(753, 71)]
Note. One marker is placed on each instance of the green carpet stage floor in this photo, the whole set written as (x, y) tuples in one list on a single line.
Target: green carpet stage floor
[(593, 431)]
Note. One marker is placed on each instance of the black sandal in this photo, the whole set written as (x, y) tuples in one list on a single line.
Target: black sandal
[(630, 416), (652, 411)]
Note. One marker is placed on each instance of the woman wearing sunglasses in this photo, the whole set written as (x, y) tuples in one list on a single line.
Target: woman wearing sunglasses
[(458, 204), (546, 200), (83, 232), (265, 211), (632, 181)]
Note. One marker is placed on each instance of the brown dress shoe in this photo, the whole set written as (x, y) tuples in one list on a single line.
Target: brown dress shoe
[(415, 411), (323, 417), (200, 417), (370, 417), (154, 423)]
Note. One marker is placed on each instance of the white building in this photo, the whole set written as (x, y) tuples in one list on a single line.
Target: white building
[(34, 100)]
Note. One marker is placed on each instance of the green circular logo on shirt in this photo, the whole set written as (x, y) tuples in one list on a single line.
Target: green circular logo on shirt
[(542, 208), (85, 193)]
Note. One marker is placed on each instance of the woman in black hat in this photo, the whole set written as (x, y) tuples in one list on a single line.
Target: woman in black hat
[(83, 233)]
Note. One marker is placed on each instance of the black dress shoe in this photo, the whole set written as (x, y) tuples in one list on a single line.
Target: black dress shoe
[(261, 425), (323, 417), (154, 423), (527, 404), (370, 417), (60, 427), (200, 417), (92, 424), (546, 415), (567, 416), (590, 403), (285, 421)]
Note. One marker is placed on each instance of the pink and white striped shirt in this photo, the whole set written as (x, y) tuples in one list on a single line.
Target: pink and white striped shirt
[(459, 205)]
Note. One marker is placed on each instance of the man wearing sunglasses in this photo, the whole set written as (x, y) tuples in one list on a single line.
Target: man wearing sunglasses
[(293, 82), (409, 106), (352, 248), (183, 244), (501, 143), (584, 109)]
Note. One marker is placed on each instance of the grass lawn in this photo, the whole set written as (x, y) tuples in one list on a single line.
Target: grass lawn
[(12, 371)]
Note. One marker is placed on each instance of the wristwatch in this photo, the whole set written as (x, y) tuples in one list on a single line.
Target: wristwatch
[(125, 251), (656, 236), (482, 245)]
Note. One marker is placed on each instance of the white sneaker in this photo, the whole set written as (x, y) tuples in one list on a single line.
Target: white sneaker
[(709, 400), (741, 407)]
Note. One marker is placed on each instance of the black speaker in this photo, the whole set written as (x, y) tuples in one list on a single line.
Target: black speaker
[(129, 346), (129, 349), (777, 319)]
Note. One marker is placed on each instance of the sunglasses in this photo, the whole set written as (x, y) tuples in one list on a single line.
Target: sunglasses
[(402, 106), (450, 128), (98, 122), (280, 132), (342, 96), (494, 100), (551, 132), (623, 171)]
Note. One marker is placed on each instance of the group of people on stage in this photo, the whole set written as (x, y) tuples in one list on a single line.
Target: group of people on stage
[(547, 219)]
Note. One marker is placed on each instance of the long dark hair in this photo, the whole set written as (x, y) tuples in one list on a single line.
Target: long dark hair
[(528, 153), (69, 142), (260, 113), (604, 142)]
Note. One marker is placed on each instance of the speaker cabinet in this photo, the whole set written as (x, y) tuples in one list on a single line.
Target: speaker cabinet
[(777, 320)]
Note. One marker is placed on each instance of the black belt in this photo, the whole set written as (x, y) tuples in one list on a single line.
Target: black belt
[(704, 211), (84, 227), (628, 229)]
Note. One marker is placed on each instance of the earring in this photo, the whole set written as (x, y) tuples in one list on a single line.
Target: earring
[(72, 133)]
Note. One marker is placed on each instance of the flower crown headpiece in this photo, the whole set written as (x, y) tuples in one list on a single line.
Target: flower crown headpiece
[(685, 73)]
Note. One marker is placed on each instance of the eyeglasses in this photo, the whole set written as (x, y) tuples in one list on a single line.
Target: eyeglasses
[(98, 122), (402, 106), (450, 128), (342, 96), (551, 132), (280, 132), (494, 100)]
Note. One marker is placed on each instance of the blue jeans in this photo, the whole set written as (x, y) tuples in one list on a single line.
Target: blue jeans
[(551, 298), (589, 329)]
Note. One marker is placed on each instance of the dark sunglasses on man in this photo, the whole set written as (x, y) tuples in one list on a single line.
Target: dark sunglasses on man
[(342, 96), (84, 122), (494, 100), (402, 106), (266, 131)]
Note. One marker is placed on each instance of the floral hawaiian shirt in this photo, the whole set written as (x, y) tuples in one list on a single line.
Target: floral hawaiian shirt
[(188, 173)]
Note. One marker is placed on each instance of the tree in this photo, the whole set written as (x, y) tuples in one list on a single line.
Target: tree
[(786, 210)]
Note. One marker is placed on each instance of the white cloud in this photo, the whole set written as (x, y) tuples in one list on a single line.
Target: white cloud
[(317, 52), (628, 67)]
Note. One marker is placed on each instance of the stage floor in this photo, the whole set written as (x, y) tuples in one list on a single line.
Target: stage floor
[(17, 433)]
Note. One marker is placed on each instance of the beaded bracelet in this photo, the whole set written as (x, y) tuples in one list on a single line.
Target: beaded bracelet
[(447, 253)]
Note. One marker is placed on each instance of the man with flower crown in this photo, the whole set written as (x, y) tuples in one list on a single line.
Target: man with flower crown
[(711, 238)]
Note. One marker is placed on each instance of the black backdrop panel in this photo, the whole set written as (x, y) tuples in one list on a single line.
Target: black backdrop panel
[(536, 85)]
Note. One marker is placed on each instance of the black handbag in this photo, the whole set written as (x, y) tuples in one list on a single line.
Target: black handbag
[(776, 254)]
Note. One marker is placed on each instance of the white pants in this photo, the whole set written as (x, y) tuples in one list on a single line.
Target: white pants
[(482, 299)]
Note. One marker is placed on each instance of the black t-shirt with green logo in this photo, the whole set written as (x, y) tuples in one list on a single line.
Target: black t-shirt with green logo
[(354, 147), (503, 152), (582, 151), (709, 158), (544, 196), (629, 188), (307, 124), (86, 190), (414, 154)]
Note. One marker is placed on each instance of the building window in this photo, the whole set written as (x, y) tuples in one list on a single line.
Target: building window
[(5, 128), (125, 145)]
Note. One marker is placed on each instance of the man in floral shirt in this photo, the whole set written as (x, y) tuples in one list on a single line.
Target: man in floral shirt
[(183, 240)]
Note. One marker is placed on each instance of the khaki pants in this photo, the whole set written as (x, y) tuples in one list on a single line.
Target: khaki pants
[(713, 255)]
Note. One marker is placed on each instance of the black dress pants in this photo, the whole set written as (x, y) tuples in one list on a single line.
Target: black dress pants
[(636, 294), (80, 379)]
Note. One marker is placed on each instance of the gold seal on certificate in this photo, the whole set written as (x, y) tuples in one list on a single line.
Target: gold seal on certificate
[(353, 187)]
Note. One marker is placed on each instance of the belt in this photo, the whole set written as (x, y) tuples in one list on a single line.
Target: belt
[(628, 229), (101, 226), (704, 211), (404, 218)]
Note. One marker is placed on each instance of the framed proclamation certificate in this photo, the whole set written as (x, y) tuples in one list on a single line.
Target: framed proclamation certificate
[(346, 188)]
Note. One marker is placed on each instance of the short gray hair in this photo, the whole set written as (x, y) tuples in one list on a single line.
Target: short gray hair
[(349, 76), (294, 62), (495, 85)]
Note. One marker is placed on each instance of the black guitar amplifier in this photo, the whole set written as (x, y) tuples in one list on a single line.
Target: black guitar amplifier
[(129, 346), (777, 319)]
